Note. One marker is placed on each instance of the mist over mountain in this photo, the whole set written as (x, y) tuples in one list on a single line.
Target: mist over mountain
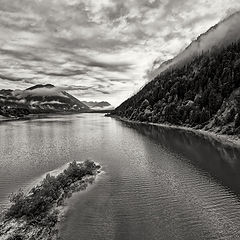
[(38, 99), (220, 35), (198, 88)]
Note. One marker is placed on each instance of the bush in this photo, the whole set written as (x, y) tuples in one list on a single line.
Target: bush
[(16, 237), (36, 205)]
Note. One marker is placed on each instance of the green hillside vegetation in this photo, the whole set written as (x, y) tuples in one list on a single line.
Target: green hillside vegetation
[(34, 215), (194, 94)]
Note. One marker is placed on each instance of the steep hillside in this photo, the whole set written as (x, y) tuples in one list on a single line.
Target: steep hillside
[(204, 92), (221, 35), (38, 99)]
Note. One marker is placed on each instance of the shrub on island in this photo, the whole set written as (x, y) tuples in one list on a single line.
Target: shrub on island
[(35, 207)]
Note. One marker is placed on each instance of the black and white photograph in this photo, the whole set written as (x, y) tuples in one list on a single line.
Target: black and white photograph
[(119, 120)]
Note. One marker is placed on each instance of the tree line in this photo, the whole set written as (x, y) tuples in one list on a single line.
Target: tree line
[(192, 93)]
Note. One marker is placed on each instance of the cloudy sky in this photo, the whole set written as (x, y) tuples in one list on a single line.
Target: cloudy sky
[(97, 49)]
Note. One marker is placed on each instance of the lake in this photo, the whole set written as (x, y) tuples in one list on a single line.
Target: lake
[(157, 183)]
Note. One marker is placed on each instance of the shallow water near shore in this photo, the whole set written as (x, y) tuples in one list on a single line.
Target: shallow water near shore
[(158, 183)]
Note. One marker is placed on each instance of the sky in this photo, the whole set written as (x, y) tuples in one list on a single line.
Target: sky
[(98, 49)]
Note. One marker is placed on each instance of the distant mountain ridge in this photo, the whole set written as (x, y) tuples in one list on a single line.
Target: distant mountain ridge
[(199, 88), (98, 105), (41, 86), (39, 99)]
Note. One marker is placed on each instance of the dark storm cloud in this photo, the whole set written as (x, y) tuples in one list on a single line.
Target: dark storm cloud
[(74, 88), (67, 73), (103, 92), (115, 67), (117, 11), (29, 81), (3, 77), (119, 80), (99, 50), (21, 55)]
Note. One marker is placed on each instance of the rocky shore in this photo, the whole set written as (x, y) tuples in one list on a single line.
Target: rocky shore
[(224, 138)]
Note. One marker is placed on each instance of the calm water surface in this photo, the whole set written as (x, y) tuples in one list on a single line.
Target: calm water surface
[(157, 183)]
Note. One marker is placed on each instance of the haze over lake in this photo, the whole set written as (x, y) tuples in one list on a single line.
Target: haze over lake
[(156, 183)]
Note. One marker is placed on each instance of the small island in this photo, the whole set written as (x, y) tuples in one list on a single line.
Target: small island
[(35, 215)]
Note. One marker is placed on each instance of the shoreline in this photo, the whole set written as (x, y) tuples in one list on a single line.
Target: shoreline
[(22, 228), (40, 115), (232, 140)]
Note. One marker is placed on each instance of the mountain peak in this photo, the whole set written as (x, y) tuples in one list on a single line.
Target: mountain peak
[(40, 99), (41, 86)]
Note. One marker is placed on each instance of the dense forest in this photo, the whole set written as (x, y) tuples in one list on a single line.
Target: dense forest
[(203, 93)]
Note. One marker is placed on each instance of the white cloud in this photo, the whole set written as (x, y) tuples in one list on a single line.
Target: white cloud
[(99, 50)]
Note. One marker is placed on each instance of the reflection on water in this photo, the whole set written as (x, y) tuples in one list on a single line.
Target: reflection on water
[(158, 183), (220, 160)]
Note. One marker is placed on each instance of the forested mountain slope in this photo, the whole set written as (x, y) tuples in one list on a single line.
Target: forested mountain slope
[(221, 34), (203, 93)]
